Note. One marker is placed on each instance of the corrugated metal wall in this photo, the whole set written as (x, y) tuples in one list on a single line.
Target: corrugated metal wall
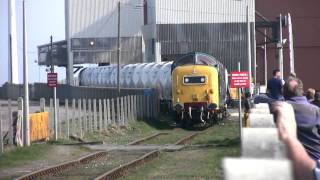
[(216, 27)]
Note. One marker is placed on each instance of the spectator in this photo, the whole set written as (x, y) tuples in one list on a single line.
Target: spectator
[(274, 87), (310, 94), (307, 117), (316, 99), (304, 167)]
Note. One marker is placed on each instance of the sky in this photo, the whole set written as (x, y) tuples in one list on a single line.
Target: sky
[(44, 18)]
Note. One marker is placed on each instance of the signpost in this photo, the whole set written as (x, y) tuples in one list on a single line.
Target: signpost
[(240, 79)]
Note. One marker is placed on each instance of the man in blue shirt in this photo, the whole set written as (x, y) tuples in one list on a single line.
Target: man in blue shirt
[(274, 87), (307, 117)]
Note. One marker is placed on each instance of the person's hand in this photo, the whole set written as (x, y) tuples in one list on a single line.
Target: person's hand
[(285, 120)]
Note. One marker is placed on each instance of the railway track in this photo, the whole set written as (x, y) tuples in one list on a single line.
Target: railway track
[(112, 164)]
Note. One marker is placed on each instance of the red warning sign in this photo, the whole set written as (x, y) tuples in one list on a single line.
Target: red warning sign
[(52, 79), (240, 79)]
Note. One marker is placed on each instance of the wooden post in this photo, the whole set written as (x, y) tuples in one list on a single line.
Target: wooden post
[(85, 116), (73, 122), (1, 138), (105, 114), (90, 115), (67, 117), (113, 118), (10, 122), (100, 115), (80, 117), (95, 123)]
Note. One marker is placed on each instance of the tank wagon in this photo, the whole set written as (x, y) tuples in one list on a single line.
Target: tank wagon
[(193, 85)]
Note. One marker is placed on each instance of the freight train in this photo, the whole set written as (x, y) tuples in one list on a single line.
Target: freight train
[(194, 85)]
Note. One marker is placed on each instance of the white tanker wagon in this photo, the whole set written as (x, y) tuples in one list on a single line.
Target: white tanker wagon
[(143, 75)]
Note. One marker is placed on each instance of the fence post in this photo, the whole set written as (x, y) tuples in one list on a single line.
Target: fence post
[(108, 114), (42, 104), (118, 111), (138, 105), (73, 116), (90, 115), (113, 114), (122, 111), (148, 108), (130, 108), (80, 117), (1, 138), (67, 117), (85, 116), (19, 126), (58, 118), (134, 107), (10, 122), (51, 114), (100, 115), (105, 114), (125, 110), (95, 123)]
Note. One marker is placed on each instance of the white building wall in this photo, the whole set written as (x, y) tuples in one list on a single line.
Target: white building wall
[(99, 18)]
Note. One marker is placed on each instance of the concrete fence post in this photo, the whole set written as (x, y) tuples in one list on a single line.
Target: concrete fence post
[(51, 116), (118, 112), (135, 107), (73, 122), (122, 111), (10, 121), (59, 122), (19, 127), (42, 104), (90, 115), (125, 110), (95, 123), (1, 138), (100, 115), (105, 114), (80, 118), (85, 116), (113, 114), (67, 117), (108, 113), (130, 108)]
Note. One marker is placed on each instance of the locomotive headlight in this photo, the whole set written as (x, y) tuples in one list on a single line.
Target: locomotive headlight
[(186, 80), (202, 80)]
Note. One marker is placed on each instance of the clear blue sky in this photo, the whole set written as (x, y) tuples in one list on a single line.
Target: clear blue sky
[(44, 18)]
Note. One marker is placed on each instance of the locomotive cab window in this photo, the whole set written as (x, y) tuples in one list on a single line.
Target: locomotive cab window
[(189, 80)]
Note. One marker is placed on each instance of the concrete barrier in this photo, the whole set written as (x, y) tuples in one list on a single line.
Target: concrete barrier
[(260, 111), (261, 106), (262, 143), (261, 120), (257, 169)]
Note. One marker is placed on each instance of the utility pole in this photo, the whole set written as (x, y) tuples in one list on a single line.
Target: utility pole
[(280, 48), (265, 59), (25, 81), (12, 44), (54, 96), (118, 50), (249, 46)]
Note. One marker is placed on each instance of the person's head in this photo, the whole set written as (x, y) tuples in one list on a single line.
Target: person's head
[(293, 87), (317, 96), (276, 73), (310, 93)]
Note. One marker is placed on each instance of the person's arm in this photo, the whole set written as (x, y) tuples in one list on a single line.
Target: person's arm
[(303, 165)]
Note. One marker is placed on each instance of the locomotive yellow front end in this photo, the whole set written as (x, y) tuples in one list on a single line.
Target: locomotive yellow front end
[(195, 91)]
